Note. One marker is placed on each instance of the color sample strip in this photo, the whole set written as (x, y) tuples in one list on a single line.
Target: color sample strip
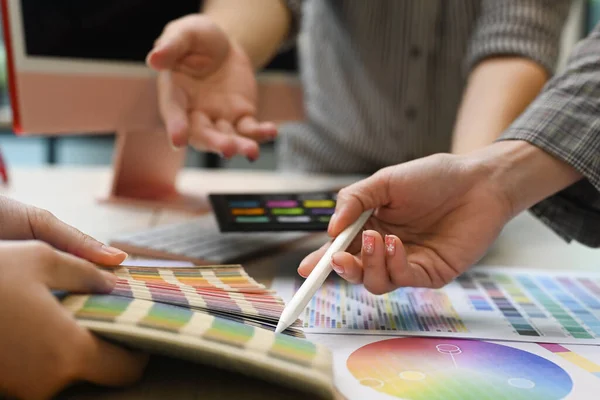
[(571, 304), (248, 211), (573, 358), (480, 303), (508, 309), (282, 203), (519, 297), (322, 211), (293, 349), (252, 220), (287, 211), (319, 204), (166, 317), (244, 204), (103, 308), (295, 219), (229, 332), (555, 309), (580, 293), (591, 286)]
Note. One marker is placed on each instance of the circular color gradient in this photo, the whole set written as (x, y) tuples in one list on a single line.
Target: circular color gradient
[(432, 368)]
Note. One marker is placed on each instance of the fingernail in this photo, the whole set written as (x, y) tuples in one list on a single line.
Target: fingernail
[(331, 222), (368, 243), (390, 245), (110, 278), (112, 250), (337, 268)]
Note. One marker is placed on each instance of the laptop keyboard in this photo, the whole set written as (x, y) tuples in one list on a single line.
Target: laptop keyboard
[(199, 240)]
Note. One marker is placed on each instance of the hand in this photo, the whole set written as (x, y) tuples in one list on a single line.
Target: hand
[(43, 348), (23, 222), (439, 215), (207, 89)]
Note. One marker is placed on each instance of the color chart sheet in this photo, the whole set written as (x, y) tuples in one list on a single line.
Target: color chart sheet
[(485, 303), (420, 368)]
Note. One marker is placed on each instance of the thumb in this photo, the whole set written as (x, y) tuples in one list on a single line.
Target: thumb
[(193, 41), (353, 200), (47, 228)]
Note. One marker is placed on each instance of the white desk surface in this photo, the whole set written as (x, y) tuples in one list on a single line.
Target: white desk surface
[(72, 194)]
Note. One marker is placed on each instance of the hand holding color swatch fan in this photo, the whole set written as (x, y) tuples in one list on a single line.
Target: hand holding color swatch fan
[(214, 315)]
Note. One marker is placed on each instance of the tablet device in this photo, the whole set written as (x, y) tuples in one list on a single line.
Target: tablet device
[(267, 212)]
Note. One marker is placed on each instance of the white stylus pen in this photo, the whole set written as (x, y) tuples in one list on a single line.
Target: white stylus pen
[(319, 274)]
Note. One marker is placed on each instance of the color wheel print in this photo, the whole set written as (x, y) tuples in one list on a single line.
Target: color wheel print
[(431, 368)]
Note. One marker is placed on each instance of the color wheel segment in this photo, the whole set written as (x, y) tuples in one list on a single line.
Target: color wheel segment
[(431, 368)]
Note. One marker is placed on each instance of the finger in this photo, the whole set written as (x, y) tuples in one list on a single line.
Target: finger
[(205, 136), (109, 365), (369, 193), (245, 146), (400, 272), (268, 129), (172, 105), (62, 271), (184, 36), (375, 274), (348, 267), (422, 270), (47, 228), (249, 127)]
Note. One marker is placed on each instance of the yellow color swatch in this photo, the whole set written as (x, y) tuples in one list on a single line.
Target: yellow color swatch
[(319, 203), (580, 361)]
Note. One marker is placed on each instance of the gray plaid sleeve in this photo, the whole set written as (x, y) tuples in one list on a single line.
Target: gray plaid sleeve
[(525, 28), (565, 122), (295, 9)]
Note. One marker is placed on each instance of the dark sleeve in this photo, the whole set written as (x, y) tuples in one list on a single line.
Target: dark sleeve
[(565, 122), (525, 28), (295, 9)]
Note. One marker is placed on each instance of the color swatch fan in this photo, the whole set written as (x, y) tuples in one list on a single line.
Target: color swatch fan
[(225, 290), (214, 315)]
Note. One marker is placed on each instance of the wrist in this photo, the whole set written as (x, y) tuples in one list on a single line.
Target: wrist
[(523, 173)]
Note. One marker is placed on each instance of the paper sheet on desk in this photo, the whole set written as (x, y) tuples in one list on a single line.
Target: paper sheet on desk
[(380, 367), (485, 303)]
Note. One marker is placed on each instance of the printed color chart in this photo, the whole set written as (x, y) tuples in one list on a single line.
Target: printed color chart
[(273, 211), (485, 303), (429, 368)]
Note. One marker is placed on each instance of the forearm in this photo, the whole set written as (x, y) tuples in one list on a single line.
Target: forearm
[(498, 91), (525, 173), (258, 26)]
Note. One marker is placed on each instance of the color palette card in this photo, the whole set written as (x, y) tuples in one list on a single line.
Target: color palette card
[(419, 368), (484, 303), (225, 290), (182, 332), (273, 211)]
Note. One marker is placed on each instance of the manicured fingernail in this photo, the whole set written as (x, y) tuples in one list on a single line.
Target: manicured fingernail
[(390, 245), (110, 278), (368, 243), (112, 250), (337, 268), (331, 222)]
